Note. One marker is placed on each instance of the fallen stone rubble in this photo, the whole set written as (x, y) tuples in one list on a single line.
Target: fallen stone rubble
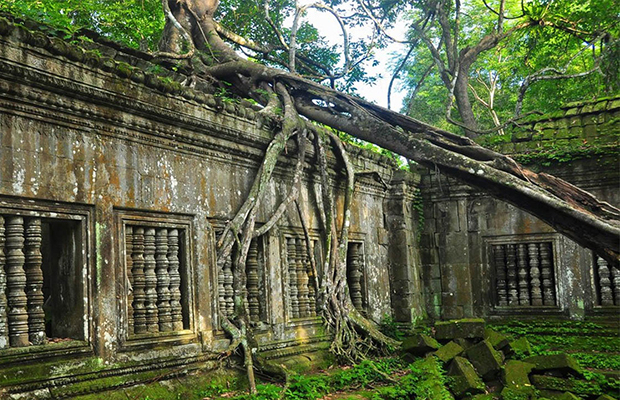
[(483, 364)]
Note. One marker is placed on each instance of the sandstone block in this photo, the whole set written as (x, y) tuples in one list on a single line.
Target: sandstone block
[(419, 345), (605, 397), (464, 380), (576, 386), (523, 393), (448, 351), (497, 340), (462, 328), (559, 362), (520, 346), (516, 373), (485, 359)]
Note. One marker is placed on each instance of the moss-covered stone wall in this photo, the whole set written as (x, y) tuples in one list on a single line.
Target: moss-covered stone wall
[(467, 234)]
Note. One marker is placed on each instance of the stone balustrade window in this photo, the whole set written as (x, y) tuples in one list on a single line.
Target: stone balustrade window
[(356, 276), (300, 281), (255, 283), (41, 279), (524, 274), (157, 268), (607, 283)]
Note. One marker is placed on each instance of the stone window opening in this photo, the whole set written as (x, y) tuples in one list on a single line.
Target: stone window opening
[(524, 274), (157, 268), (42, 289), (300, 279), (255, 283), (356, 276)]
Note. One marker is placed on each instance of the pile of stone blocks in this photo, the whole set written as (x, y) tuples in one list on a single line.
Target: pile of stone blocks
[(483, 364)]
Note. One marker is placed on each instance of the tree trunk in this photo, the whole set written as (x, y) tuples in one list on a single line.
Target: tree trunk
[(461, 97)]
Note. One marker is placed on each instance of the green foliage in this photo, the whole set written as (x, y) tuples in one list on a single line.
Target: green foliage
[(264, 392), (389, 327), (426, 380), (591, 344), (135, 23), (560, 37)]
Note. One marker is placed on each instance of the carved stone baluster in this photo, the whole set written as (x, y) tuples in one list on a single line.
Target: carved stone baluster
[(221, 292), (524, 285), (34, 282), (150, 281), (615, 273), (511, 275), (499, 256), (252, 281), (137, 271), (16, 282), (535, 274), (228, 287), (176, 310), (546, 267), (129, 267), (355, 276), (302, 279), (605, 294), (4, 332), (292, 277), (311, 290), (163, 280)]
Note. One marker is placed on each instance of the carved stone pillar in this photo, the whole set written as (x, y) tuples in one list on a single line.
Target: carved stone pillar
[(228, 287), (128, 268), (16, 282), (605, 292), (536, 290), (302, 279), (311, 281), (150, 281), (615, 273), (524, 285), (499, 255), (34, 282), (252, 281), (176, 311), (354, 276), (292, 276), (511, 275), (546, 266), (163, 280), (137, 271), (4, 329)]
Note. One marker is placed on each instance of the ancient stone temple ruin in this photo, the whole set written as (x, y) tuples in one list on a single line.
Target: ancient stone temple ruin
[(115, 182)]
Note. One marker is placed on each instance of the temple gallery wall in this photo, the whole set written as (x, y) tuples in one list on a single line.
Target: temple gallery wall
[(115, 183)]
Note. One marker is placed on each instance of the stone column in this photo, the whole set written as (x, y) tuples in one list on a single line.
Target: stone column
[(403, 257)]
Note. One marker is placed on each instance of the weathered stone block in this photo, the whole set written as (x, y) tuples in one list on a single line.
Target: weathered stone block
[(462, 328), (497, 340), (464, 380), (605, 397), (485, 359), (448, 352), (572, 385), (560, 362), (464, 343), (516, 373), (520, 346), (419, 345), (568, 396), (522, 393)]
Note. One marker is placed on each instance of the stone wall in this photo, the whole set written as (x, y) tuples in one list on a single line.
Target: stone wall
[(114, 184), (484, 257)]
